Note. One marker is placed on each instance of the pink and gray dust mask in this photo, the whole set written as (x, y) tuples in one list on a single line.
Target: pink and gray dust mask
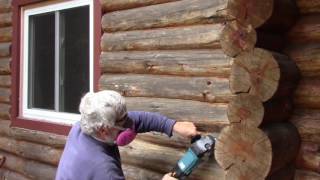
[(127, 133)]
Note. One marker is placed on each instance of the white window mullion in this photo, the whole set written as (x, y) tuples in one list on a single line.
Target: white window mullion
[(57, 64)]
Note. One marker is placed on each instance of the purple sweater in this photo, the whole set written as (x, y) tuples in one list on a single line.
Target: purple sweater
[(85, 158)]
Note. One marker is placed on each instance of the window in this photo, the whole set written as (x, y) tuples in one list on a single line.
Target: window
[(55, 65)]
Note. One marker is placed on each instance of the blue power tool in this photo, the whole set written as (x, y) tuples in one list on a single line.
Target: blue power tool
[(189, 161)]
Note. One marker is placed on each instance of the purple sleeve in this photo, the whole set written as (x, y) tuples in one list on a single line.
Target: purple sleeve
[(147, 121), (108, 171)]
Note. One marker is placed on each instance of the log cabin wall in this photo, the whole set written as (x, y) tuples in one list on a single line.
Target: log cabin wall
[(165, 56), (24, 154), (303, 47)]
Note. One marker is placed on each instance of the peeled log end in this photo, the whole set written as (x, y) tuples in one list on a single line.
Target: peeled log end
[(245, 150), (251, 12), (255, 72), (236, 38), (246, 109)]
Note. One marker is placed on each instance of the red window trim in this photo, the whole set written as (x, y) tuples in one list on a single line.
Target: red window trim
[(16, 120)]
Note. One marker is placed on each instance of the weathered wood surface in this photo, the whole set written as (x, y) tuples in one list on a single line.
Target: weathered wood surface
[(251, 153), (6, 174), (207, 89), (5, 111), (5, 94), (307, 94), (175, 141), (308, 124), (285, 141), (111, 5), (307, 58), (309, 157), (5, 66), (308, 6), (29, 168), (263, 74), (5, 6), (185, 12), (284, 15), (211, 62), (6, 34), (138, 173), (249, 110), (206, 116), (243, 151), (162, 159), (5, 49), (286, 173), (5, 19), (187, 37), (306, 30), (306, 175), (5, 81), (30, 150), (39, 137)]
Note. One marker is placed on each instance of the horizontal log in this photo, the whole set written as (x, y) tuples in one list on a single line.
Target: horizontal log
[(309, 157), (306, 30), (162, 160), (5, 81), (251, 153), (185, 12), (5, 6), (5, 66), (39, 137), (306, 175), (138, 173), (249, 110), (5, 111), (307, 94), (308, 124), (29, 168), (5, 94), (307, 58), (206, 116), (285, 173), (5, 49), (309, 6), (5, 34), (175, 141), (111, 5), (207, 89), (232, 37), (263, 74), (30, 150), (243, 151), (179, 62), (8, 174), (285, 141), (5, 19)]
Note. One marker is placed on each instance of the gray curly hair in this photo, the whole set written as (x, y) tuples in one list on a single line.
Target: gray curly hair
[(100, 109)]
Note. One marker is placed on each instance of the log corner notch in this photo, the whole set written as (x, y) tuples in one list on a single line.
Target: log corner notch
[(254, 12), (251, 153), (263, 74), (249, 110)]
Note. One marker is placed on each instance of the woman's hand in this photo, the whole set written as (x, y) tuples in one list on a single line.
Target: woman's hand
[(168, 177), (185, 129)]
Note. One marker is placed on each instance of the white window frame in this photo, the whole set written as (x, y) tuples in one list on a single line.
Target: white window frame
[(44, 114)]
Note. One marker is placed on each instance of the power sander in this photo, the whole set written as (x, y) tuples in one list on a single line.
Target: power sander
[(200, 146)]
